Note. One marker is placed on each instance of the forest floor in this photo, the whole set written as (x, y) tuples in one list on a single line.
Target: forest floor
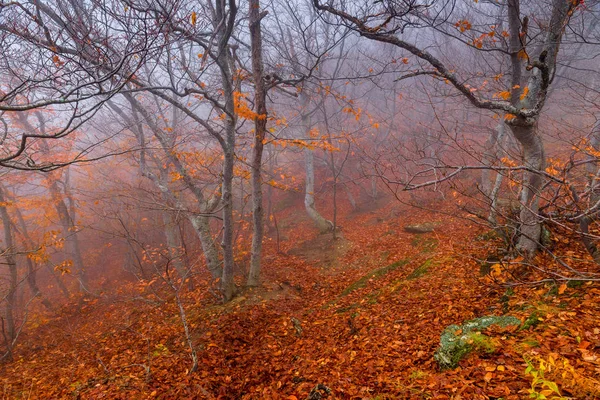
[(361, 315)]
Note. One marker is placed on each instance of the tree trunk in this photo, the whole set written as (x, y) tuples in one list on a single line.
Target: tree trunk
[(9, 331), (322, 224), (67, 221), (174, 243), (227, 283), (592, 170), (490, 156), (260, 128), (534, 159), (201, 225), (350, 197), (31, 266)]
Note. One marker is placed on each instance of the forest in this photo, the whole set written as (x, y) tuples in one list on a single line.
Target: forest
[(300, 199)]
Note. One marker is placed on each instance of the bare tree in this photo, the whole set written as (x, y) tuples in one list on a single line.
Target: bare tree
[(385, 22)]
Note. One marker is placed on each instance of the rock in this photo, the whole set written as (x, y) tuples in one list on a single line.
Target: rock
[(421, 228), (458, 341)]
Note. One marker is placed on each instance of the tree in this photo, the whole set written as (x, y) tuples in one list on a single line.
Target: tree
[(56, 57), (523, 102), (260, 130)]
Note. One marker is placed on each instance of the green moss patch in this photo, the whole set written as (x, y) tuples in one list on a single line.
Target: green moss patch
[(426, 244), (420, 270), (374, 274)]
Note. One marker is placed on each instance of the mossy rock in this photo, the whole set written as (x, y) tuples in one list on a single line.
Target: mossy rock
[(458, 341)]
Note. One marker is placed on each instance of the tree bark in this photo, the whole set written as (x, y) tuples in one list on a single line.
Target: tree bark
[(9, 255), (322, 224), (535, 160), (201, 225), (31, 266), (260, 129), (174, 243)]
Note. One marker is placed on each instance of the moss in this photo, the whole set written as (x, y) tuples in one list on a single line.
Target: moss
[(574, 284), (342, 310), (532, 321), (563, 305), (482, 342), (427, 244), (417, 374), (526, 345), (553, 290), (546, 237), (486, 236), (505, 299), (374, 274), (372, 297), (458, 341), (420, 270)]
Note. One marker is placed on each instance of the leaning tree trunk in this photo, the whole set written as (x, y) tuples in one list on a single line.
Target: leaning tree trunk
[(322, 224), (66, 216), (201, 225)]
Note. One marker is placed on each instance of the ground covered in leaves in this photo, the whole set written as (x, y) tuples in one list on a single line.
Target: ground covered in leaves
[(361, 316)]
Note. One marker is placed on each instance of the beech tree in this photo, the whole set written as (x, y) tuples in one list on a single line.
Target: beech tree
[(532, 57)]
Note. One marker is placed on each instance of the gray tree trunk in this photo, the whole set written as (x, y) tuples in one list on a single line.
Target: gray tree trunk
[(322, 224), (260, 129), (490, 156), (174, 243), (9, 331), (201, 225), (31, 266), (535, 160)]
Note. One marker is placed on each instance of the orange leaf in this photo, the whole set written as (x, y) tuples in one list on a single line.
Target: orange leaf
[(488, 377), (562, 288), (504, 95)]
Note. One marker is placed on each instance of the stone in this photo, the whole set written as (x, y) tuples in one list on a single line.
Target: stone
[(425, 227)]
